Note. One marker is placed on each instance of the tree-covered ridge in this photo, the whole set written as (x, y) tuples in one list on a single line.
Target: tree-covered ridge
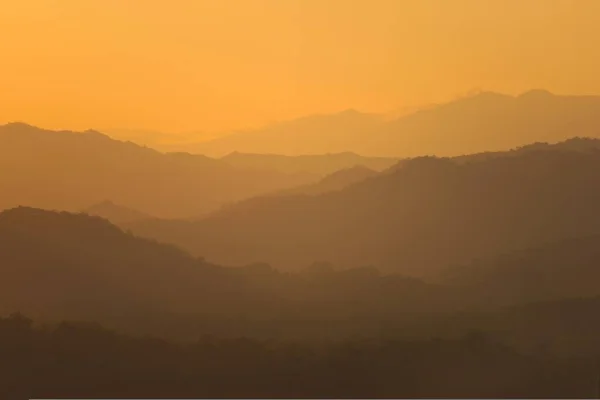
[(70, 360)]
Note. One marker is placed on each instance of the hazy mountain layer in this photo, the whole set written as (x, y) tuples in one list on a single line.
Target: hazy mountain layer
[(323, 164), (315, 134), (484, 122), (335, 181), (419, 217), (116, 214), (62, 265), (84, 268), (70, 171)]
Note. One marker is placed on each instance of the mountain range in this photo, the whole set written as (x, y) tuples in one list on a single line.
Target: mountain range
[(416, 218), (66, 170), (115, 213), (59, 265), (320, 164), (336, 181), (79, 267), (486, 121)]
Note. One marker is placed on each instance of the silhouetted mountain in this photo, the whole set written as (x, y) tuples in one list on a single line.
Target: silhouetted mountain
[(315, 134), (483, 122), (115, 213), (490, 121), (153, 139), (162, 141), (335, 181), (324, 164), (577, 144), (568, 268), (62, 265), (69, 171), (74, 266), (77, 360), (422, 216), (565, 327)]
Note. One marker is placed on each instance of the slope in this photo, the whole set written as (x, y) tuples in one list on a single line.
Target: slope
[(484, 122), (115, 213), (422, 216), (335, 181), (321, 164), (70, 171)]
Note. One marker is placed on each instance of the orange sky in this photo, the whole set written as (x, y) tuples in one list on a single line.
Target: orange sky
[(184, 65)]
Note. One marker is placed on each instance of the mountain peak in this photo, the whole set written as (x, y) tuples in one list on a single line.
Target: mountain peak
[(472, 99), (22, 128), (486, 94), (19, 126), (105, 203), (536, 94)]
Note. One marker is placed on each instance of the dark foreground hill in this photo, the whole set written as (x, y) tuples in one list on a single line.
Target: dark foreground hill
[(566, 269), (73, 266), (74, 360), (61, 265)]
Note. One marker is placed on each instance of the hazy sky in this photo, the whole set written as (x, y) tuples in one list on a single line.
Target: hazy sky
[(178, 65)]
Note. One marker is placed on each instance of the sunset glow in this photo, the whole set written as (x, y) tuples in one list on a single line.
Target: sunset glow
[(199, 65)]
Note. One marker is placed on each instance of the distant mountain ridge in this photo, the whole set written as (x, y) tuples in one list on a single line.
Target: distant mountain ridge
[(309, 135), (115, 213), (322, 164), (483, 122), (335, 181), (66, 170)]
